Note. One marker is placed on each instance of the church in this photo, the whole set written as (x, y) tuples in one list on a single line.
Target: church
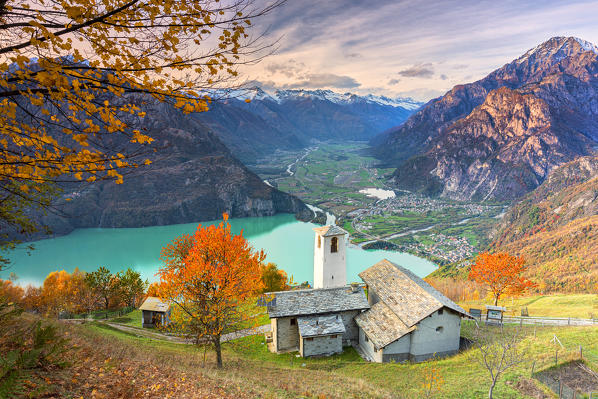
[(393, 316)]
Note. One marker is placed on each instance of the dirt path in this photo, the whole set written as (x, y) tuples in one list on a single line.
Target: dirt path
[(172, 338)]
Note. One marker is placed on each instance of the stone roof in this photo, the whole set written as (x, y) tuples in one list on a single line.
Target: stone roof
[(313, 326), (381, 325), (317, 301), (331, 230), (154, 304), (409, 297)]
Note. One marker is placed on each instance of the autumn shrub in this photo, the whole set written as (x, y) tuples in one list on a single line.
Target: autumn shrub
[(274, 279), (11, 292), (26, 345), (458, 290)]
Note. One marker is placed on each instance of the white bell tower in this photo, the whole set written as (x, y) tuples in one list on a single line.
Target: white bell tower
[(330, 257)]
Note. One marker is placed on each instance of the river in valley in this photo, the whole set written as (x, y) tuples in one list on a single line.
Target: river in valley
[(286, 242)]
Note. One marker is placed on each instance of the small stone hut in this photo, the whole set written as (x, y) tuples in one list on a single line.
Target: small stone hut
[(316, 321), (154, 312)]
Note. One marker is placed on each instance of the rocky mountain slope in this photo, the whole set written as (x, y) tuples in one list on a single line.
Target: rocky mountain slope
[(193, 177), (555, 227), (498, 138), (290, 119)]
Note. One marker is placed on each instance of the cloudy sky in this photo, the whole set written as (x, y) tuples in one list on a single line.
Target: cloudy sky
[(411, 48)]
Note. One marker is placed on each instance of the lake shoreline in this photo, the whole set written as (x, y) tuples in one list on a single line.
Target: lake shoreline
[(286, 241)]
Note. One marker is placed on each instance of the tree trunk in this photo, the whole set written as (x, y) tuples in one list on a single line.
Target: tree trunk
[(491, 389), (218, 350), (496, 300)]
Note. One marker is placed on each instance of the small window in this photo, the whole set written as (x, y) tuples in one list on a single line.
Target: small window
[(319, 242), (439, 329), (334, 244), (293, 321), (366, 338), (375, 350), (441, 311), (309, 339), (333, 336)]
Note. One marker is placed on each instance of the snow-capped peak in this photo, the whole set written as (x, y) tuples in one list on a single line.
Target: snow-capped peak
[(558, 48), (281, 96), (587, 46)]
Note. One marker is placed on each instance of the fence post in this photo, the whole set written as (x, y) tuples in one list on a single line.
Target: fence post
[(533, 366), (569, 321), (556, 358), (580, 352)]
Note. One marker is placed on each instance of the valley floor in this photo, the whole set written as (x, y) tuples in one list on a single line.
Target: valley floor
[(108, 363), (331, 176)]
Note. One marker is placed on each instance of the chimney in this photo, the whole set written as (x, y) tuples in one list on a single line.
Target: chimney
[(354, 287)]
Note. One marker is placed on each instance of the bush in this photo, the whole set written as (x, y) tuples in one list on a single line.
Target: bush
[(26, 345)]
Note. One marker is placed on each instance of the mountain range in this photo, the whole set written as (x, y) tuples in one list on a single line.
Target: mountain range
[(499, 137), (193, 177), (291, 119)]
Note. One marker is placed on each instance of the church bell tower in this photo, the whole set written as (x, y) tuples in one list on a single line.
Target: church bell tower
[(330, 257)]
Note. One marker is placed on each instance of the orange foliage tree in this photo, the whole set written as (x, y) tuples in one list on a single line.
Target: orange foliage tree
[(11, 292), (66, 292), (274, 279), (211, 277), (501, 273)]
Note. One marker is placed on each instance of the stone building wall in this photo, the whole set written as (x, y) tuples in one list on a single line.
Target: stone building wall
[(436, 335), (322, 345), (287, 334), (351, 328)]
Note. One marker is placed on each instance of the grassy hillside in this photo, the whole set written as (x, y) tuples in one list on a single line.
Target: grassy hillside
[(556, 305), (556, 229), (107, 363)]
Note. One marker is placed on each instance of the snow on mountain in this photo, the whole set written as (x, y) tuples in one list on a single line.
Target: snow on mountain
[(557, 48), (281, 96)]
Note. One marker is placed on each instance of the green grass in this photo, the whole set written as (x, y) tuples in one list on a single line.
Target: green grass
[(463, 375), (132, 319), (554, 305)]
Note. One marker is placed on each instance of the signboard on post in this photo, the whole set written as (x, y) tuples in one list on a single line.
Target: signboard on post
[(494, 314), (476, 313)]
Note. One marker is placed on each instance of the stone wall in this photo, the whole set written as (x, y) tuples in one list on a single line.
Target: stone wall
[(323, 345), (368, 348), (287, 334), (351, 328)]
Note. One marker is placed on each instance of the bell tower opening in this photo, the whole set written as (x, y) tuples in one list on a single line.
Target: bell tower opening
[(330, 265), (334, 244)]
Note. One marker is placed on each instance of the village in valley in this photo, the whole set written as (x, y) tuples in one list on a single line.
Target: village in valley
[(352, 187)]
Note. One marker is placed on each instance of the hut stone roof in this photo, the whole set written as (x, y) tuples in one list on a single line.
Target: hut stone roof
[(381, 325), (154, 304), (409, 297), (313, 326), (317, 301), (331, 230)]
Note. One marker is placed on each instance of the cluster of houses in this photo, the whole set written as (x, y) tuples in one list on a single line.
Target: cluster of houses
[(392, 316)]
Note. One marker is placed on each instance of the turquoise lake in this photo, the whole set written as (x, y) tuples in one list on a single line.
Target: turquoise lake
[(286, 242)]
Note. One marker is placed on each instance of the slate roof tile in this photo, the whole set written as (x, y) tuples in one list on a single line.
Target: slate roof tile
[(312, 326), (317, 301)]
